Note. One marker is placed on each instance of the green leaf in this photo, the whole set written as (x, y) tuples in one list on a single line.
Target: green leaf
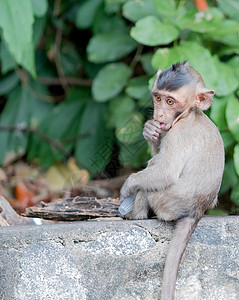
[(230, 8), (198, 56), (38, 109), (217, 112), (165, 57), (216, 212), (112, 7), (230, 177), (203, 21), (234, 64), (146, 61), (82, 94), (39, 7), (8, 83), (39, 105), (15, 113), (230, 39), (135, 154), (73, 108), (228, 139), (70, 60), (167, 8), (115, 1), (110, 46), (235, 194), (138, 88), (151, 82), (16, 21), (38, 29), (121, 110), (110, 81), (86, 13), (236, 158), (92, 69), (232, 116), (228, 50), (131, 130), (94, 151), (7, 61), (223, 31), (151, 32), (134, 10), (227, 81), (107, 23), (48, 154), (146, 104)]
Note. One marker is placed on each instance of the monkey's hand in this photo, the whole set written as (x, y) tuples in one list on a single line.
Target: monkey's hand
[(152, 134), (128, 187)]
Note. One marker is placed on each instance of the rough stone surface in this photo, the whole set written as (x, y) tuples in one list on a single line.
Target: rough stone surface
[(105, 260)]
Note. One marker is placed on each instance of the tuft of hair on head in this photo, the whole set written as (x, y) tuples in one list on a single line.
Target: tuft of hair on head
[(178, 75), (178, 65), (174, 77)]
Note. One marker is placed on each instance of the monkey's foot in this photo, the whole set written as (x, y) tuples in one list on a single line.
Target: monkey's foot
[(140, 215)]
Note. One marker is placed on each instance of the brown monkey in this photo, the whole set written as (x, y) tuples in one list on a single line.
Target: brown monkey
[(183, 178)]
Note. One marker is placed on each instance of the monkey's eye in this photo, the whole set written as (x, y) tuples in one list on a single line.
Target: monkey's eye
[(157, 98), (170, 101)]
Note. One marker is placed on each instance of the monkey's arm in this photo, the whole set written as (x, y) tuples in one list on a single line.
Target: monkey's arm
[(163, 169), (153, 134)]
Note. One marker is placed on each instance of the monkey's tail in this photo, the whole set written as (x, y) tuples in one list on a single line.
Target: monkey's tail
[(183, 231)]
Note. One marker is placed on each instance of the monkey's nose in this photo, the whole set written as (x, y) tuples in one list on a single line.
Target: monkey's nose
[(158, 117)]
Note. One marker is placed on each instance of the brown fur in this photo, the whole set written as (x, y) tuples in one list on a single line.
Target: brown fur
[(183, 178)]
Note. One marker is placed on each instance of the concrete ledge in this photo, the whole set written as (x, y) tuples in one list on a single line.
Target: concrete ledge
[(105, 260)]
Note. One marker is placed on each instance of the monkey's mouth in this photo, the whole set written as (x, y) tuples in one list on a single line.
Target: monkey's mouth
[(164, 126)]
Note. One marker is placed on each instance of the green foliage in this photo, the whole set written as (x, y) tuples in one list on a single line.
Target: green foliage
[(86, 13), (39, 7), (232, 116), (236, 158), (16, 21), (136, 10), (75, 74), (217, 212), (111, 40), (110, 81), (150, 31)]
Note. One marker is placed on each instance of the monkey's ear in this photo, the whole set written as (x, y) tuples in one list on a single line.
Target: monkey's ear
[(204, 98)]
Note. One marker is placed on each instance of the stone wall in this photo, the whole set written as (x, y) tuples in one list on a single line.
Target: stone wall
[(107, 260)]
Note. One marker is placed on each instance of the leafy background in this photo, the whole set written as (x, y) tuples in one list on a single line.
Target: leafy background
[(75, 78)]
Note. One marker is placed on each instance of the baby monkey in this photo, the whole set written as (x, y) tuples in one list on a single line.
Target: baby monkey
[(184, 176)]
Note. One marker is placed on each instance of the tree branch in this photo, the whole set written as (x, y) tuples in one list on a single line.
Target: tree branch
[(55, 143), (68, 80), (137, 56)]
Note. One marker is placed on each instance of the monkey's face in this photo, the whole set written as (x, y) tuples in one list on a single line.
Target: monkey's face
[(168, 106)]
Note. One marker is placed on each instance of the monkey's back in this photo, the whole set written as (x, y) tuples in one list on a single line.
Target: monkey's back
[(205, 164), (197, 142)]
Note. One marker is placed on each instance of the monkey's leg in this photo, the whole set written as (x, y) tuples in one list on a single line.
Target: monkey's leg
[(141, 207)]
